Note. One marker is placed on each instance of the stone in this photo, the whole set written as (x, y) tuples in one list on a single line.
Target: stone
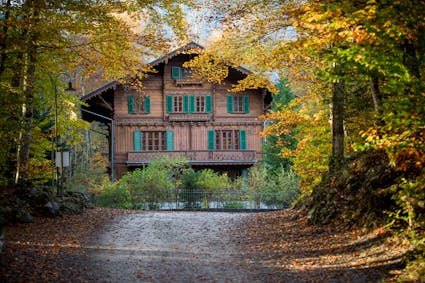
[(23, 216), (52, 208), (71, 205)]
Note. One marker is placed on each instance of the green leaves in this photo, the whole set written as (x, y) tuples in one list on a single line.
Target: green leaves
[(43, 43)]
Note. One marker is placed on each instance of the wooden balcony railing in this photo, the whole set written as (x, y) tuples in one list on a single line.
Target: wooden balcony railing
[(188, 81), (176, 117), (196, 157)]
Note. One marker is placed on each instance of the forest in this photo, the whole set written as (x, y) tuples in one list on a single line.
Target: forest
[(349, 111)]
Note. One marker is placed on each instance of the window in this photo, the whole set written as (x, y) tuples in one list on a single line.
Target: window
[(177, 104), (227, 139), (180, 72), (153, 140), (138, 104), (238, 104), (189, 104), (200, 103)]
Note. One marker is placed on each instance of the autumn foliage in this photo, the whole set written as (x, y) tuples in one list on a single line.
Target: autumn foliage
[(366, 56)]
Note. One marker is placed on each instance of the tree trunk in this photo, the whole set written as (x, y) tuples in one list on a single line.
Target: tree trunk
[(410, 59), (337, 158), (377, 98), (25, 137)]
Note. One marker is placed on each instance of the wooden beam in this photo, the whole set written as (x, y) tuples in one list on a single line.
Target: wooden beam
[(106, 103)]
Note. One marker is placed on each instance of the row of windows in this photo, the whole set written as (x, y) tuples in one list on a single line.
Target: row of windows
[(164, 140), (188, 104)]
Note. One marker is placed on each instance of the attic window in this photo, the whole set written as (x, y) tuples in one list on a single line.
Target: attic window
[(180, 73)]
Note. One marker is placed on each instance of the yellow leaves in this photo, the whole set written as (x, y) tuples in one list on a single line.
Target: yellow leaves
[(406, 149), (253, 81), (208, 67)]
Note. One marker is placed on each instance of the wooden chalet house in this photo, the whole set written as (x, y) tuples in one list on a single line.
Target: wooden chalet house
[(176, 115)]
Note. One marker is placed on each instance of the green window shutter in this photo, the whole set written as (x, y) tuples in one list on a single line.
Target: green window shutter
[(242, 139), (169, 139), (175, 72), (211, 139), (230, 104), (192, 104), (186, 104), (208, 101), (246, 103), (137, 141), (169, 104), (147, 101), (130, 104)]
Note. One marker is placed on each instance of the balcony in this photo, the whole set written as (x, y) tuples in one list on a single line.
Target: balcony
[(187, 81), (197, 157), (195, 117)]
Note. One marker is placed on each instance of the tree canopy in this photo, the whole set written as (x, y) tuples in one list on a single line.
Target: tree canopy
[(44, 44), (361, 65)]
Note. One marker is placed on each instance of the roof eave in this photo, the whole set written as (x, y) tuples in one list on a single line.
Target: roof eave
[(99, 90)]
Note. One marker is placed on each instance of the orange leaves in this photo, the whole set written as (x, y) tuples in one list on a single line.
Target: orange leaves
[(406, 149), (45, 251), (298, 252)]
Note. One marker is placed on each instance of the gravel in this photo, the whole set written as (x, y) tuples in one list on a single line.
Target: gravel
[(171, 247)]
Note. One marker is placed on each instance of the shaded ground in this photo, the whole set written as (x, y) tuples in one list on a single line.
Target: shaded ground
[(171, 247), (105, 245)]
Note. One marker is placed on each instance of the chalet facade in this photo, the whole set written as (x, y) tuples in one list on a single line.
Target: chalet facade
[(176, 115)]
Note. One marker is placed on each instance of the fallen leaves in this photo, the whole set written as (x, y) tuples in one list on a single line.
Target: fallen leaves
[(52, 249), (294, 251), (276, 246)]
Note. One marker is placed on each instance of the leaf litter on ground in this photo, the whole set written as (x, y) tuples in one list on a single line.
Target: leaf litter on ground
[(278, 246)]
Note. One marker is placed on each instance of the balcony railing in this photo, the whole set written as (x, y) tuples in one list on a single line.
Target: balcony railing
[(196, 157), (176, 117), (188, 81)]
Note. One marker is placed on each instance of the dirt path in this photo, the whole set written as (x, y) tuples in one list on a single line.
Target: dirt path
[(171, 247)]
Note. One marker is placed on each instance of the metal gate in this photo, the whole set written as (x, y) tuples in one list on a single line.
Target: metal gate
[(184, 199)]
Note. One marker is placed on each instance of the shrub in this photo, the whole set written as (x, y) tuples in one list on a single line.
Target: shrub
[(114, 196), (278, 188)]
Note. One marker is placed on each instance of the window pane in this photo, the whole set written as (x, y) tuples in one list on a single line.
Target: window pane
[(238, 104), (153, 140), (139, 107), (200, 104), (186, 72), (227, 139), (178, 104)]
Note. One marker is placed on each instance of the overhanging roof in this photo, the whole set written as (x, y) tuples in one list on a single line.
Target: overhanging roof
[(99, 90), (190, 46)]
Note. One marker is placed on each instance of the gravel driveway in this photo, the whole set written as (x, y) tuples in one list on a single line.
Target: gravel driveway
[(171, 247)]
